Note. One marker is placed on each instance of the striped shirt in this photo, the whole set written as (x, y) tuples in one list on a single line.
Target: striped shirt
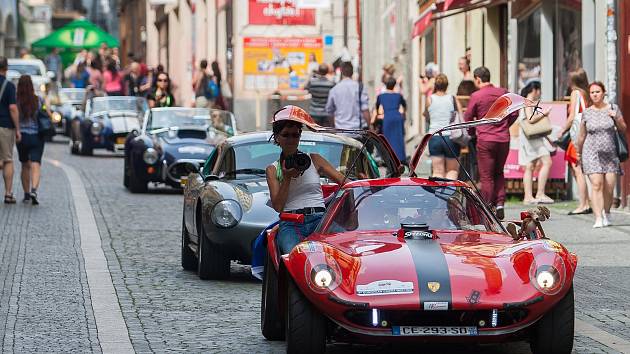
[(319, 87)]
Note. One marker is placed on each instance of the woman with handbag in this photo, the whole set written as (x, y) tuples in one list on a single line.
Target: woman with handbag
[(31, 147), (534, 147), (598, 152), (393, 106), (443, 110), (578, 83)]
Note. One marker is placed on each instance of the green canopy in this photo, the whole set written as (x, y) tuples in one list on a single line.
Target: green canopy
[(78, 34)]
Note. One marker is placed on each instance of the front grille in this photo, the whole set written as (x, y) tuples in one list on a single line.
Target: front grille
[(192, 134), (182, 168), (437, 318)]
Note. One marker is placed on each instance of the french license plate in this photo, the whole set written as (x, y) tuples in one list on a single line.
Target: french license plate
[(433, 331), (120, 140)]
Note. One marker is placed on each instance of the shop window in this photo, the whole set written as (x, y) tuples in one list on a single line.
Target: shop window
[(528, 49), (568, 56)]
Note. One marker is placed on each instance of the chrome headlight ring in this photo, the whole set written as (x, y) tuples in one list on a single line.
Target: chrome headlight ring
[(322, 272), (226, 214), (548, 273), (150, 156), (96, 128)]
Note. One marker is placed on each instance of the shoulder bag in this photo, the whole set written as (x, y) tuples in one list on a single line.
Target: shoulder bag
[(621, 144), (539, 129), (458, 136), (45, 127)]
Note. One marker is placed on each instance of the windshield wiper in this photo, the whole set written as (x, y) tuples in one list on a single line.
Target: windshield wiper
[(249, 171)]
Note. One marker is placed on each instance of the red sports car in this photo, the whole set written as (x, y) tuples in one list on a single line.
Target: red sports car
[(415, 259)]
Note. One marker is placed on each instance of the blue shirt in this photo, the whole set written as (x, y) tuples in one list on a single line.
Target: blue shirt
[(343, 103), (7, 99)]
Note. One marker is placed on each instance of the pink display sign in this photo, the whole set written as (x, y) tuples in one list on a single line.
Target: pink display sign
[(558, 117)]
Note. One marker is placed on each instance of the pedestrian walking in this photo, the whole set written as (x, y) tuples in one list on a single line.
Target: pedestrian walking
[(203, 97), (54, 64), (441, 109), (597, 153), (493, 141), (578, 83), (347, 104), (96, 73), (393, 106), (9, 129), (534, 150), (112, 79), (81, 77), (31, 147), (319, 87), (224, 91), (162, 96)]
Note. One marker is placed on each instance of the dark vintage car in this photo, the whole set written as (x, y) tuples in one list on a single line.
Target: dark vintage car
[(172, 143), (107, 122), (226, 205), (66, 105)]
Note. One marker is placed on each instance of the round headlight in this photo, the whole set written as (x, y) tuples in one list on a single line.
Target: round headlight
[(96, 128), (226, 214), (546, 279), (150, 156), (56, 117), (42, 87), (322, 272), (549, 277), (322, 276)]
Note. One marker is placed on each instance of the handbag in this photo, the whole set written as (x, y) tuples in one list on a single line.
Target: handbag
[(45, 127), (564, 140), (621, 144), (539, 129), (458, 136)]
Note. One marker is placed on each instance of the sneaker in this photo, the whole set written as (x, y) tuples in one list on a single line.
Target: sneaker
[(500, 212), (598, 224), (34, 200), (27, 197), (607, 219)]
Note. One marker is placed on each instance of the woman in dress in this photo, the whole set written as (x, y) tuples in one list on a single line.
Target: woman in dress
[(442, 108), (162, 96), (393, 106), (597, 151), (578, 83), (112, 79), (533, 150)]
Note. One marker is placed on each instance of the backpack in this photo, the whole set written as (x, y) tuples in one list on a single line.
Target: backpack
[(212, 89)]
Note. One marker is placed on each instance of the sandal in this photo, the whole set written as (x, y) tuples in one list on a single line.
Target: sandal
[(545, 200), (530, 202), (9, 199)]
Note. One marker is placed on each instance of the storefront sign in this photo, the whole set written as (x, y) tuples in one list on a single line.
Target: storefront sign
[(279, 12), (279, 63), (558, 117)]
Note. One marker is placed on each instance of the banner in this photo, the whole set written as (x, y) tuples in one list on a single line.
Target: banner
[(558, 117), (280, 63), (279, 12)]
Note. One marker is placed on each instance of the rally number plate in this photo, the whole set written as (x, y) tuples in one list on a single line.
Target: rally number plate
[(433, 331)]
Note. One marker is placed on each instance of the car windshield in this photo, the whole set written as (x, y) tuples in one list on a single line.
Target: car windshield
[(71, 95), (386, 208), (247, 160), (26, 69), (214, 120), (106, 104)]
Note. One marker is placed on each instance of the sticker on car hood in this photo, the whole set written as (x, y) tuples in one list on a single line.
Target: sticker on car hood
[(385, 287), (192, 149)]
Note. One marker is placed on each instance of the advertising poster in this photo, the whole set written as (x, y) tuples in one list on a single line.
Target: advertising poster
[(558, 117), (279, 12), (279, 63)]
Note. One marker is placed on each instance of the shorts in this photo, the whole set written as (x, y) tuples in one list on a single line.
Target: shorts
[(7, 141), (291, 233), (437, 148), (30, 148)]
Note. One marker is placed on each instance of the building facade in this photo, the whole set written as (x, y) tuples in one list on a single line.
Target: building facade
[(8, 28)]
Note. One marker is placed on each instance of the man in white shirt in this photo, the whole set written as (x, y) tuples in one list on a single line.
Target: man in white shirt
[(347, 102)]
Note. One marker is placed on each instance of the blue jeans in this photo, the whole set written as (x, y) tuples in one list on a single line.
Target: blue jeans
[(291, 233)]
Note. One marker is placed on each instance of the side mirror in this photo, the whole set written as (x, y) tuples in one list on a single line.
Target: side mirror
[(297, 218), (208, 178)]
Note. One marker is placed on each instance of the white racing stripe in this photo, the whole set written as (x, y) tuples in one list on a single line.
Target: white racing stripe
[(112, 331), (605, 338)]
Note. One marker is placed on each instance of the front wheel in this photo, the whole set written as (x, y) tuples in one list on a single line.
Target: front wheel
[(136, 184), (212, 263), (189, 261), (126, 173), (305, 326), (270, 319), (553, 333)]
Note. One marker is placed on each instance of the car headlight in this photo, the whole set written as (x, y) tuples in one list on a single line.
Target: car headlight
[(96, 128), (322, 272), (226, 213), (150, 156), (56, 117), (42, 87), (547, 274)]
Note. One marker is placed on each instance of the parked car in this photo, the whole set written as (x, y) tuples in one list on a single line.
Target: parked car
[(226, 205), (33, 67), (107, 122), (173, 142), (66, 106)]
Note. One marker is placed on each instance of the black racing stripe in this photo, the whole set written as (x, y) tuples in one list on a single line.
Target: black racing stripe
[(431, 266)]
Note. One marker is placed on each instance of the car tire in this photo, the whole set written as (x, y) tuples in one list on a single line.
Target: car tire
[(136, 184), (85, 150), (270, 319), (553, 333), (305, 325), (212, 263), (189, 261), (126, 173)]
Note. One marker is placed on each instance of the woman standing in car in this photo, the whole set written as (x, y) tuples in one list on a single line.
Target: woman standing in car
[(31, 147), (291, 190), (162, 96)]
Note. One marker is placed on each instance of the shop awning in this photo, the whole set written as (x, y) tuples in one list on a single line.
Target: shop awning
[(77, 34), (423, 21), (446, 8)]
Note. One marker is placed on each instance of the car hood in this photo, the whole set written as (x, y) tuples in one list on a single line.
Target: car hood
[(464, 269), (176, 149), (253, 196)]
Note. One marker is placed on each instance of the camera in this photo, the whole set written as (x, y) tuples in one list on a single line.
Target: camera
[(300, 161)]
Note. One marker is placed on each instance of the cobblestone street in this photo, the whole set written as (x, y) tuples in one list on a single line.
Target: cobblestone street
[(46, 304)]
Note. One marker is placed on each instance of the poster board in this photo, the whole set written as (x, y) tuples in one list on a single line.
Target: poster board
[(278, 63), (558, 117), (279, 12)]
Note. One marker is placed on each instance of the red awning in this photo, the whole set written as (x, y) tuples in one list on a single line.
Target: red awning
[(445, 8), (421, 24)]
